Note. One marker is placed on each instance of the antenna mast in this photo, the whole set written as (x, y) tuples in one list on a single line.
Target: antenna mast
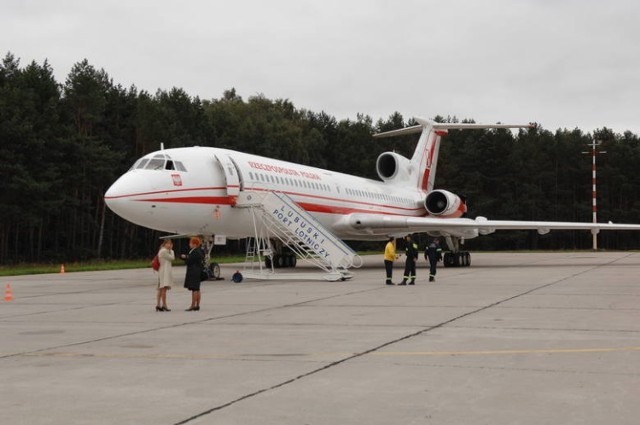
[(594, 152)]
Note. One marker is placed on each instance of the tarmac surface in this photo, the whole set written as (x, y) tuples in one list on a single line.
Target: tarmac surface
[(535, 338)]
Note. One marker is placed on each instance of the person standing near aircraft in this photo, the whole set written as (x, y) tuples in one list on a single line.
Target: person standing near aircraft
[(194, 260), (433, 253), (411, 251), (389, 258), (165, 274)]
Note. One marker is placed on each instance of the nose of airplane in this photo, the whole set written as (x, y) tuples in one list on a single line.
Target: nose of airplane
[(129, 187)]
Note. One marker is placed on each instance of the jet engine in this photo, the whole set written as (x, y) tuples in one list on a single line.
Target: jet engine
[(393, 167), (444, 203)]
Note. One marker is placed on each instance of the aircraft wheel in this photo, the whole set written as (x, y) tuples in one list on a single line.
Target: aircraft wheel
[(280, 261), (214, 270), (237, 277)]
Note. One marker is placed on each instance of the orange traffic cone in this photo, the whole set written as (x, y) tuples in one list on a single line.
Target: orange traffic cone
[(62, 268), (8, 296)]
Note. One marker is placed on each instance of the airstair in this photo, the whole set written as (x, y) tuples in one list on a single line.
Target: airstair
[(276, 216)]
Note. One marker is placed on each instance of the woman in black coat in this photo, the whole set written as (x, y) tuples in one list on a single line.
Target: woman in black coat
[(195, 264)]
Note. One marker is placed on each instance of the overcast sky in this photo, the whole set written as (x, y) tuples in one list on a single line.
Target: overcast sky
[(563, 64)]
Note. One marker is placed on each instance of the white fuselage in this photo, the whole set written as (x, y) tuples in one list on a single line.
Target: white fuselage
[(193, 191)]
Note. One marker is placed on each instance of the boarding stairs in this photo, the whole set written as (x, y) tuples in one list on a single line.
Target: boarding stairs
[(276, 216)]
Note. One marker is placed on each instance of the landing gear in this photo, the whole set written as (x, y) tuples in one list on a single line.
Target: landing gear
[(288, 259), (457, 259), (214, 271), (280, 256)]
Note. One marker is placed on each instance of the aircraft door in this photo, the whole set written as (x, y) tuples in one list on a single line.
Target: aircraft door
[(231, 174)]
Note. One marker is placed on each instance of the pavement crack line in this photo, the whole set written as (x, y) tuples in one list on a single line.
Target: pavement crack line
[(177, 325), (386, 344)]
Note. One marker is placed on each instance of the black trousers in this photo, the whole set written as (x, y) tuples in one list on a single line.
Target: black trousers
[(432, 267), (410, 269), (388, 265)]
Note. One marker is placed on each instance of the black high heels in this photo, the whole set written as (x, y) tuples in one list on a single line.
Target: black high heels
[(165, 309), (158, 308)]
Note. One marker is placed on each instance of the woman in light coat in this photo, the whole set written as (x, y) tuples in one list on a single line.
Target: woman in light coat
[(165, 274)]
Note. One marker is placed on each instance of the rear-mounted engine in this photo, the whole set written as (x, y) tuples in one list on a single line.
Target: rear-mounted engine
[(443, 203), (393, 167)]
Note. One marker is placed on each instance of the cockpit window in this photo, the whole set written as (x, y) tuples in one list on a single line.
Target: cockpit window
[(158, 162), (155, 164), (135, 164), (139, 164)]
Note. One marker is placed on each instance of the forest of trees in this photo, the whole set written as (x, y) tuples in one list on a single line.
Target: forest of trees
[(62, 144)]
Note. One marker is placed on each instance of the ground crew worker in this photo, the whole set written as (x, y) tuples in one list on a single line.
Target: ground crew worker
[(411, 250), (433, 253), (389, 258)]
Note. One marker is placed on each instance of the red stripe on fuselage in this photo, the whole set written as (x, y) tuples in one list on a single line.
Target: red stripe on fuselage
[(332, 209), (327, 198), (214, 200), (360, 207), (155, 192)]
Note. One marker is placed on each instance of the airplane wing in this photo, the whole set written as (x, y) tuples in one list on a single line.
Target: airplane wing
[(466, 227)]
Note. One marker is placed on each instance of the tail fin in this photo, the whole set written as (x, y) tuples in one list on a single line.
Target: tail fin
[(425, 158)]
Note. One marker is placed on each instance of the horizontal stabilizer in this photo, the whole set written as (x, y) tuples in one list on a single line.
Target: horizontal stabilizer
[(446, 126), (465, 126), (400, 132)]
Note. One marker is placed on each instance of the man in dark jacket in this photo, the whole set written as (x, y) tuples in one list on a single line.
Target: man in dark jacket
[(433, 253), (411, 250)]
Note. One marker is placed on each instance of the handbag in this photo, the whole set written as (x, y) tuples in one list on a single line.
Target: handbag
[(155, 263)]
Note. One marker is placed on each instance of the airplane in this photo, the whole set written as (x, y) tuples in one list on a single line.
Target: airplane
[(197, 191)]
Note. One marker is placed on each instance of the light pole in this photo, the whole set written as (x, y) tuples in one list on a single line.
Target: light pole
[(594, 151)]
